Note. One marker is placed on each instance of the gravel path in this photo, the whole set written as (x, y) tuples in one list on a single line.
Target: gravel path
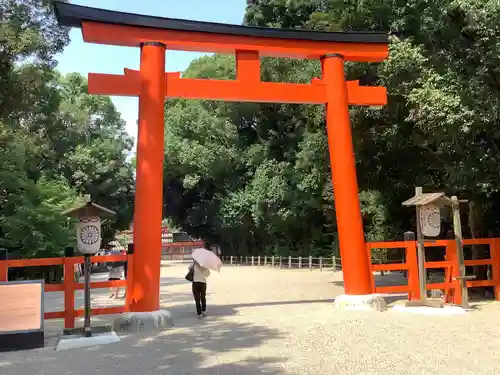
[(266, 321)]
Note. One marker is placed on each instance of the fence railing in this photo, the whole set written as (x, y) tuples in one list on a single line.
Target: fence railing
[(451, 283), (408, 266), (285, 262), (69, 284)]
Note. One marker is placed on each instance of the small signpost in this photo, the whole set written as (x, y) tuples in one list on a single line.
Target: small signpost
[(21, 315), (457, 229), (428, 210)]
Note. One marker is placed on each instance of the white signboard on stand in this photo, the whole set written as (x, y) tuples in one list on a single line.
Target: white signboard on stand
[(88, 234), (430, 220)]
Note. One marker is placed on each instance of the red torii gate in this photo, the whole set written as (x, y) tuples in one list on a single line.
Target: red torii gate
[(152, 85)]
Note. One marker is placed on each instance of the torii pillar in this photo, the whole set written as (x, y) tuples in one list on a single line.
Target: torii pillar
[(344, 180), (148, 212)]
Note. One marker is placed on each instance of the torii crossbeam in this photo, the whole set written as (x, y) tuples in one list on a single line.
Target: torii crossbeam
[(242, 89), (154, 35)]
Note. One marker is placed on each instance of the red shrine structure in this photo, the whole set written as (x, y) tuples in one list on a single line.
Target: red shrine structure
[(153, 36)]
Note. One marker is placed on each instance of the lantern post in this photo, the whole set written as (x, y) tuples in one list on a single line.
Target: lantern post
[(88, 239), (428, 212)]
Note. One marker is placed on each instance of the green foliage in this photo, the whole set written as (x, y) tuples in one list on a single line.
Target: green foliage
[(94, 155), (255, 177), (248, 176), (31, 223), (56, 141)]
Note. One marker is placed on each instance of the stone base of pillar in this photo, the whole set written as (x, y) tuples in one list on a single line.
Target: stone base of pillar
[(78, 341), (373, 302), (143, 321)]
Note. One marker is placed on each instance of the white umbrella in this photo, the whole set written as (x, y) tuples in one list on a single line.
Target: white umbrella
[(207, 259)]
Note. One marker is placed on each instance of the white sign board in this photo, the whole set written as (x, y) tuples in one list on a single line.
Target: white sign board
[(430, 220), (88, 234), (22, 306)]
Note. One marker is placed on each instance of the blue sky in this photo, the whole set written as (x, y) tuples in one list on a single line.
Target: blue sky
[(87, 58)]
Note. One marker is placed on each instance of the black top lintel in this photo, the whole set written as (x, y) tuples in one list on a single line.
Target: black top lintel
[(74, 15)]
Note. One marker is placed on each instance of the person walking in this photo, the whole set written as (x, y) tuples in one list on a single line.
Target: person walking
[(199, 286), (115, 273)]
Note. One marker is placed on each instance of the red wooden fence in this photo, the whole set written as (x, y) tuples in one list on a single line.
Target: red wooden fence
[(450, 265), (69, 285)]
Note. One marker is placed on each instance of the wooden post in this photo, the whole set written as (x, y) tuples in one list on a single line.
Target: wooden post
[(289, 262), (310, 263), (334, 263), (3, 271), (69, 293), (495, 267), (241, 260), (281, 263), (457, 228), (300, 262), (4, 276), (231, 259), (412, 262), (246, 260), (265, 261), (253, 260), (272, 261), (455, 296), (321, 264), (258, 261), (87, 266), (422, 279)]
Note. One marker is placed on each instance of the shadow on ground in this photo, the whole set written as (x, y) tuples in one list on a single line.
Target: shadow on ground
[(181, 311), (210, 346), (476, 298)]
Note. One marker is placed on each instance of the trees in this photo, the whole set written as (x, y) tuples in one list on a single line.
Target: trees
[(268, 185), (30, 219), (439, 129), (90, 149), (56, 141), (240, 174)]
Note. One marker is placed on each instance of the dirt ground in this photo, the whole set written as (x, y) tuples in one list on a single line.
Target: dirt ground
[(270, 321)]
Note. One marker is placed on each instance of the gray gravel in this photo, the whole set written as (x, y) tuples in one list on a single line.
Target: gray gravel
[(265, 321)]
